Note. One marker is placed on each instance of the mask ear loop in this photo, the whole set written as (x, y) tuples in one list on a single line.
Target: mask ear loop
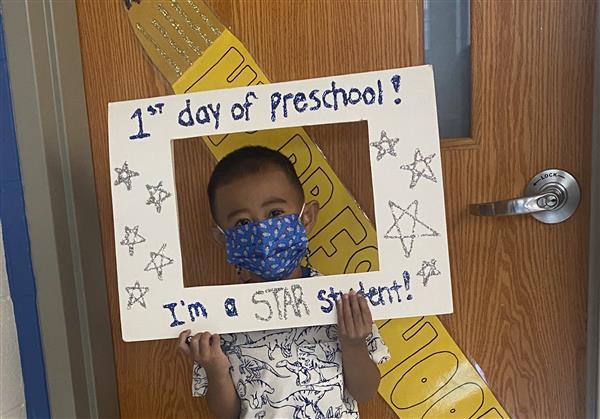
[(301, 212)]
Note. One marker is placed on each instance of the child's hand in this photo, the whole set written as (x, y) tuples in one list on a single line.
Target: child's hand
[(205, 349), (354, 320)]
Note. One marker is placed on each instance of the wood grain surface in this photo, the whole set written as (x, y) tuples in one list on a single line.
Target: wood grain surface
[(519, 285), (202, 258)]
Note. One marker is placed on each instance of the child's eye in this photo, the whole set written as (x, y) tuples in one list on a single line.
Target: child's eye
[(242, 222), (275, 213)]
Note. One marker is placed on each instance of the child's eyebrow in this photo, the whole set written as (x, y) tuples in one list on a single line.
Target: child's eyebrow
[(269, 201), (274, 200), (236, 212)]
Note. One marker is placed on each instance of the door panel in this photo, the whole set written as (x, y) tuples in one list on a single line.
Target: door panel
[(519, 285), (520, 306)]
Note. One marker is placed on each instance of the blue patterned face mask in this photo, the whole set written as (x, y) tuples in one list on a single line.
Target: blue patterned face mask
[(271, 248)]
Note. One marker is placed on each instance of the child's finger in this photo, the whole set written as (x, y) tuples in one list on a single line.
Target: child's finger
[(204, 343), (355, 310), (215, 343), (195, 345), (348, 320), (183, 345), (365, 311), (340, 316)]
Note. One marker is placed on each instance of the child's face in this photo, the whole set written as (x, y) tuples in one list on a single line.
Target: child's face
[(257, 197), (266, 194)]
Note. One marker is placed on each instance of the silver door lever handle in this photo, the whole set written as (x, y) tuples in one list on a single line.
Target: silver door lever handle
[(551, 196), (515, 206)]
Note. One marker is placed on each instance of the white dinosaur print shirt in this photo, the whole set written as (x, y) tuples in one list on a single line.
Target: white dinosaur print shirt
[(290, 373)]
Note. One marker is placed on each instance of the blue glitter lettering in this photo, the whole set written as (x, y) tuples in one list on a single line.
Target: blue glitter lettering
[(202, 115), (171, 308), (300, 98), (237, 111), (313, 96), (195, 309), (286, 97), (381, 290), (215, 112), (354, 91), (334, 295), (380, 92), (336, 91), (373, 293), (247, 104), (275, 100), (371, 99), (188, 114), (230, 308), (324, 98), (321, 297), (396, 287), (396, 84)]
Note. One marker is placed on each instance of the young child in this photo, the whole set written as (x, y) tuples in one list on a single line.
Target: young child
[(305, 372)]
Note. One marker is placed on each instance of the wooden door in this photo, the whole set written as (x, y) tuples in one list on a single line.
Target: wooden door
[(519, 285)]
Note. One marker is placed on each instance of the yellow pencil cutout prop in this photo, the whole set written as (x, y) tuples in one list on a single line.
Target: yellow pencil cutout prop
[(428, 376)]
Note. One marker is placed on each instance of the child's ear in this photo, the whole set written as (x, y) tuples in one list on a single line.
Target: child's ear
[(218, 236), (309, 216)]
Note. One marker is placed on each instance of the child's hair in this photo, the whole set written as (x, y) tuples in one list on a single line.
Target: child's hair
[(246, 161)]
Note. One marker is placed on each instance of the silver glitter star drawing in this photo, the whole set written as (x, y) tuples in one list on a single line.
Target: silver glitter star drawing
[(158, 195), (407, 226), (158, 260), (428, 269), (136, 295), (385, 145), (124, 175), (132, 238), (420, 168)]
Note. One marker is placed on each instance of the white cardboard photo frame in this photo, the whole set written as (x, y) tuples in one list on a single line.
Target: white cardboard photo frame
[(414, 277)]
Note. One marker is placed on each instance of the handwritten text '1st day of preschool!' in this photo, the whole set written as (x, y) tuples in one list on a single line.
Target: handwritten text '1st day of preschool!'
[(282, 104)]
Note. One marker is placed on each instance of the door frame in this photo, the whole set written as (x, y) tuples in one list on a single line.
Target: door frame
[(44, 59), (42, 42)]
